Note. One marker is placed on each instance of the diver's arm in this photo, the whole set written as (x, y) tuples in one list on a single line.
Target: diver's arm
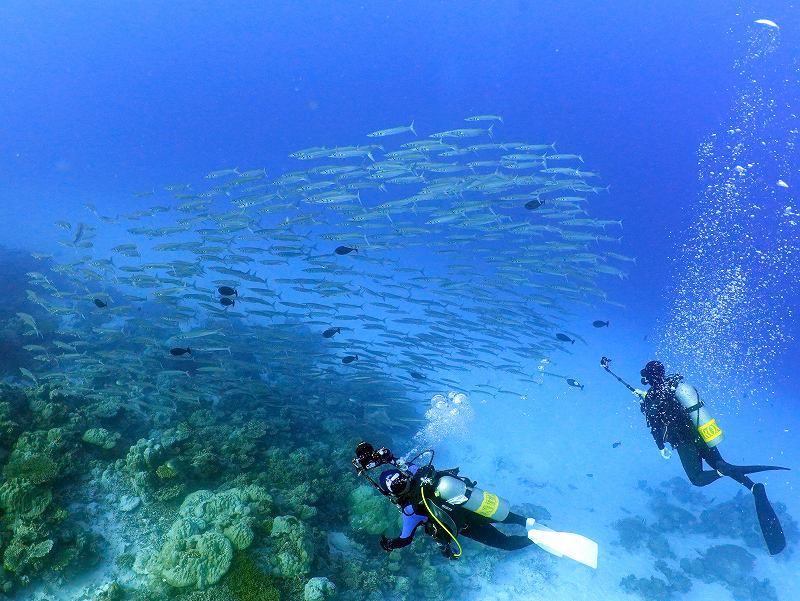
[(410, 523), (389, 544), (658, 432), (655, 422)]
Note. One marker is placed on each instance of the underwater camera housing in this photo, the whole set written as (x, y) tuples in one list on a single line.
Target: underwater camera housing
[(368, 458)]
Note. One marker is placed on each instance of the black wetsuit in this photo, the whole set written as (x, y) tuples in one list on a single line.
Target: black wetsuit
[(479, 528), (468, 523), (669, 422)]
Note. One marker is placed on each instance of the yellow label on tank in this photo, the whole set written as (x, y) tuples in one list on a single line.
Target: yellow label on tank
[(710, 430), (489, 505)]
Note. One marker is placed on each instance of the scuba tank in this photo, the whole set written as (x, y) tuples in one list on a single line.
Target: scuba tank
[(706, 426), (455, 491)]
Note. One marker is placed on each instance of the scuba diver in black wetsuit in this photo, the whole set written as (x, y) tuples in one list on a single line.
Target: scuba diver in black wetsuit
[(675, 414), (447, 505)]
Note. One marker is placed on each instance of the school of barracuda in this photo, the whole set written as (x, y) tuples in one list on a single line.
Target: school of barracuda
[(501, 228)]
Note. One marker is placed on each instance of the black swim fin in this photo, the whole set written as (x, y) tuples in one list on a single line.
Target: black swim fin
[(770, 525), (728, 468)]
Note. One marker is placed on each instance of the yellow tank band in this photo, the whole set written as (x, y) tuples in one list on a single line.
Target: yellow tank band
[(489, 505), (710, 430)]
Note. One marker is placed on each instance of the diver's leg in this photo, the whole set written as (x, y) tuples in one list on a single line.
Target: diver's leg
[(693, 465), (485, 533), (514, 518), (715, 460)]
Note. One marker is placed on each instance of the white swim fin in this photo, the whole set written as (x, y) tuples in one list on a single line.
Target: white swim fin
[(574, 546)]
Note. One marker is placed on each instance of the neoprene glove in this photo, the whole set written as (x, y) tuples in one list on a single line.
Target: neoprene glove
[(448, 553), (386, 545)]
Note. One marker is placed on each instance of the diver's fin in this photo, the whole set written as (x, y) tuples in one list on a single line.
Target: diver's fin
[(729, 468), (574, 546), (770, 525), (750, 469)]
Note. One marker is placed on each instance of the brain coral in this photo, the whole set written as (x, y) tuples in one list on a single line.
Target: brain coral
[(199, 560)]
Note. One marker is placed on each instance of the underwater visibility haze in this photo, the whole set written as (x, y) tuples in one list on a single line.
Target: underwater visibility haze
[(393, 301)]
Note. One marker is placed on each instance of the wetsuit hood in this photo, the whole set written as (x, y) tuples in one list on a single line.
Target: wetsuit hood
[(394, 482), (653, 373)]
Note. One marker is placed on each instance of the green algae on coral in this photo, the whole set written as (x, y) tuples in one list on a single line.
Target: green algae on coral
[(247, 582), (21, 499), (166, 471)]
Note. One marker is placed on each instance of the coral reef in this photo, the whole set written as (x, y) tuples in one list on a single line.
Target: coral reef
[(290, 549), (318, 589), (100, 437), (197, 560), (369, 512), (731, 566), (737, 518), (38, 537), (247, 582), (672, 586), (198, 548), (634, 534)]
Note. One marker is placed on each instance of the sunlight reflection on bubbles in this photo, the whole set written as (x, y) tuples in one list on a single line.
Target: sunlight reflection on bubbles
[(729, 318), (449, 417)]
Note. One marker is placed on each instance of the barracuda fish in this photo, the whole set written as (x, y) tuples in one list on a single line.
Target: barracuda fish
[(392, 131), (28, 374), (485, 118), (463, 133), (493, 277), (564, 157), (222, 173), (29, 321)]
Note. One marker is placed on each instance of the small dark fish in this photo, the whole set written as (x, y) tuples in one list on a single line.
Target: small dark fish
[(565, 338), (416, 375), (574, 383), (227, 302), (331, 331), (227, 291), (178, 351), (349, 359), (616, 444), (600, 324), (590, 475), (534, 204), (100, 303), (345, 250)]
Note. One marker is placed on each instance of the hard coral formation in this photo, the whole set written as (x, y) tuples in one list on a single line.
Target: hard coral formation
[(40, 448), (290, 549), (198, 560), (635, 533), (370, 513), (673, 585), (100, 437), (732, 566), (199, 546), (318, 589)]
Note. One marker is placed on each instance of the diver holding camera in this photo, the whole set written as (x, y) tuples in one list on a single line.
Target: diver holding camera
[(675, 414), (449, 505)]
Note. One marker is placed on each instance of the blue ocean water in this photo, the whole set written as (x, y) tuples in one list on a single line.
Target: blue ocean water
[(665, 101)]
